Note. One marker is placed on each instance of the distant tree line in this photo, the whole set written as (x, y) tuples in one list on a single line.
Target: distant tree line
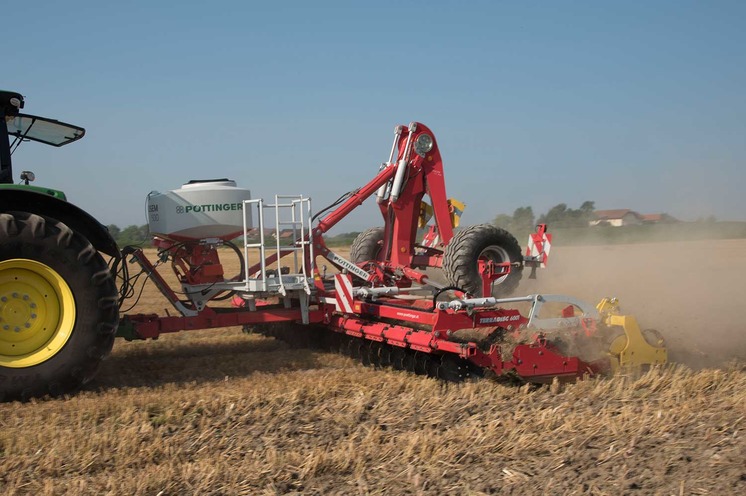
[(140, 236), (523, 220), (130, 235)]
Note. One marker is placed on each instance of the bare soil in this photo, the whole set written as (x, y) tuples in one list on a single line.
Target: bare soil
[(222, 412)]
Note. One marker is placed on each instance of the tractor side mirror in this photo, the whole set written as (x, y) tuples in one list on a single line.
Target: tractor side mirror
[(27, 177)]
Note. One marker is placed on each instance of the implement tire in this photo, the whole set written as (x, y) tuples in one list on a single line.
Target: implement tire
[(367, 245), (460, 260), (58, 308)]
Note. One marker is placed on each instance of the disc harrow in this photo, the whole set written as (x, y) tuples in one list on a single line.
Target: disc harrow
[(374, 354)]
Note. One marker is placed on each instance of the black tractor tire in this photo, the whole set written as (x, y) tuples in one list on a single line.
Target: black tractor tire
[(460, 260), (58, 305), (367, 245)]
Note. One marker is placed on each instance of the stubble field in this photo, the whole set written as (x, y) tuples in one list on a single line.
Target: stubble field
[(222, 412)]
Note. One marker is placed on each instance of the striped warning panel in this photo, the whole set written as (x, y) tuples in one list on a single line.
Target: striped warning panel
[(539, 246), (343, 287)]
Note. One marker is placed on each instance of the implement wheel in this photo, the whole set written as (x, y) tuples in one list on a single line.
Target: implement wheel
[(367, 245), (58, 307), (483, 241)]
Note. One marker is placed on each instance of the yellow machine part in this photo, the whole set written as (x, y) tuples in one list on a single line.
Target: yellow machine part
[(455, 208), (630, 349), (426, 213)]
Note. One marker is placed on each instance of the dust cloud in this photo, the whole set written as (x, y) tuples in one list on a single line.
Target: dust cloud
[(692, 292)]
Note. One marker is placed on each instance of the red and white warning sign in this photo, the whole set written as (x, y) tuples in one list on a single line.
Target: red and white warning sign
[(343, 287), (539, 244)]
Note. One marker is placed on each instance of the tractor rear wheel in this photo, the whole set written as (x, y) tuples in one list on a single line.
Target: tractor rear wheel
[(482, 241), (58, 307), (367, 245)]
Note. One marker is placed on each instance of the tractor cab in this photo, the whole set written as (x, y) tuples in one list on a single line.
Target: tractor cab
[(24, 127)]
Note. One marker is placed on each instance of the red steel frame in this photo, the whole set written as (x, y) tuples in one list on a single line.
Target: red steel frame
[(414, 324), (425, 176)]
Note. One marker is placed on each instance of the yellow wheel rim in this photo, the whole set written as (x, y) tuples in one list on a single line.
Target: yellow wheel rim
[(37, 313)]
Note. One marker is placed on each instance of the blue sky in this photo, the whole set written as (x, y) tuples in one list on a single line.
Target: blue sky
[(637, 104)]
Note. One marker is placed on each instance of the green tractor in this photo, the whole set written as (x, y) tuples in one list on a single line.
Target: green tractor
[(58, 298)]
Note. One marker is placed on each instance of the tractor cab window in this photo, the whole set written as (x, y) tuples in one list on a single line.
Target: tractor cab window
[(49, 131)]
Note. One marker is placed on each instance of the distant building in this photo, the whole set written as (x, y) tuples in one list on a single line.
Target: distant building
[(617, 218), (658, 219), (651, 218)]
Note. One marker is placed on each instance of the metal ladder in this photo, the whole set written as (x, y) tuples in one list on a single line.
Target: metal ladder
[(292, 220)]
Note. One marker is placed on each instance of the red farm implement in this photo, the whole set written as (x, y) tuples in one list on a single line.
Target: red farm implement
[(384, 305)]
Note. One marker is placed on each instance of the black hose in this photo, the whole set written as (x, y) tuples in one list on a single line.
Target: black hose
[(336, 202), (242, 261), (443, 290)]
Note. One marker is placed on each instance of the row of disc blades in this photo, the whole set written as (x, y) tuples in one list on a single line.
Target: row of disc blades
[(446, 367)]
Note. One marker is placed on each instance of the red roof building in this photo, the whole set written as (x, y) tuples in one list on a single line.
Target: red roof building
[(617, 217)]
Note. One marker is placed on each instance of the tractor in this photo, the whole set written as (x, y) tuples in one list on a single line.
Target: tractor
[(421, 293), (58, 300)]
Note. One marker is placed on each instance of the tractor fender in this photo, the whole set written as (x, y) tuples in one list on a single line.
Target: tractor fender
[(20, 200)]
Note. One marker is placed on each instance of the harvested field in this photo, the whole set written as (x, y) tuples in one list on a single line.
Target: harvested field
[(222, 412)]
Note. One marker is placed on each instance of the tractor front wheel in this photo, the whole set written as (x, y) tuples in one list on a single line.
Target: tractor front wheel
[(58, 307), (487, 242)]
